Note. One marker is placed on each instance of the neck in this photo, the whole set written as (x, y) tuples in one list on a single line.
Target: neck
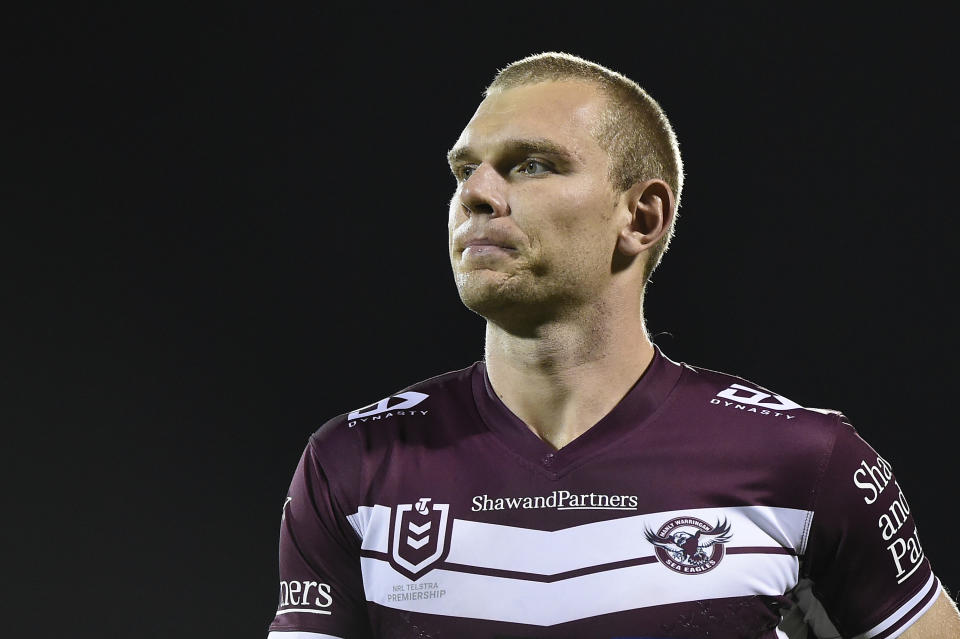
[(565, 376)]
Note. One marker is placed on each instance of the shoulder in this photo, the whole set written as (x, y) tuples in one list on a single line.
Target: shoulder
[(415, 406), (348, 448), (761, 436), (751, 398), (766, 421)]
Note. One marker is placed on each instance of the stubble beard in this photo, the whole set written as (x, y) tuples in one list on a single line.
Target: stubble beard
[(519, 302)]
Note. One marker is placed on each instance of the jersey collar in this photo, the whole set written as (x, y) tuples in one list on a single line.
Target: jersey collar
[(639, 406)]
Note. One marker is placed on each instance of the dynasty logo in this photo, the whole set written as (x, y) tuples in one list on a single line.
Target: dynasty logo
[(395, 405), (689, 545), (754, 401)]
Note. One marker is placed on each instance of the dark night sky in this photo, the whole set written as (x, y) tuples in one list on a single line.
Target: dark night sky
[(223, 227)]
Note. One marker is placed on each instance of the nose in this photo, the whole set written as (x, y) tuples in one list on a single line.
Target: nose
[(482, 193)]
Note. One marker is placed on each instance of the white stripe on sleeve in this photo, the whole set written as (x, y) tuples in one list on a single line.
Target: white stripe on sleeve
[(932, 583)]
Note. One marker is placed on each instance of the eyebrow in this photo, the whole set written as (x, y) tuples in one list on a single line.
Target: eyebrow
[(517, 146)]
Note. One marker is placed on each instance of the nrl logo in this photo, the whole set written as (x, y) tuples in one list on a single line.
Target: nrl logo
[(689, 545), (419, 537)]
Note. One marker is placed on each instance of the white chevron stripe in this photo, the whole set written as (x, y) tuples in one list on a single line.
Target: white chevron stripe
[(550, 552), (419, 530), (417, 543), (544, 604)]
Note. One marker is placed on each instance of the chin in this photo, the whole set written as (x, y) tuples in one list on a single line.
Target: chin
[(506, 301), (484, 292), (483, 300)]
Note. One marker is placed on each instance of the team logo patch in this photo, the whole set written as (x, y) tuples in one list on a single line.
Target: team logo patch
[(689, 545), (400, 401), (754, 397), (419, 537)]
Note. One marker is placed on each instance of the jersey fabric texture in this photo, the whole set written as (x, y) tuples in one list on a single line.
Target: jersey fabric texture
[(702, 505)]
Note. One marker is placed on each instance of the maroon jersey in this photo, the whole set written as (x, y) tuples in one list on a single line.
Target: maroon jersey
[(702, 505)]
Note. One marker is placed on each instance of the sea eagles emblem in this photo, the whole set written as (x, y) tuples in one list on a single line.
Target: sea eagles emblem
[(689, 545)]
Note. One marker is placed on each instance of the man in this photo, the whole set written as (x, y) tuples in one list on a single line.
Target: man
[(577, 482)]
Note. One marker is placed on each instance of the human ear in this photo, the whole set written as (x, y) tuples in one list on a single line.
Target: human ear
[(651, 207)]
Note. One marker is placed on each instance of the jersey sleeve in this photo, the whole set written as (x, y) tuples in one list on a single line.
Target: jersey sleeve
[(864, 556), (321, 588)]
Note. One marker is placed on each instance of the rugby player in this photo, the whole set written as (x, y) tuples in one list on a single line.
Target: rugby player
[(577, 482)]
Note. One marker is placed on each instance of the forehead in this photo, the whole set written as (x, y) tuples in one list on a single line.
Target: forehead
[(566, 112)]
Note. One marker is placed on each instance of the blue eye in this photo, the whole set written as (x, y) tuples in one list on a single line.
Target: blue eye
[(464, 172)]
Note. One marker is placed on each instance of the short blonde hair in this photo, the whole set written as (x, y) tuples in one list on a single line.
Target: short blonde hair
[(634, 130)]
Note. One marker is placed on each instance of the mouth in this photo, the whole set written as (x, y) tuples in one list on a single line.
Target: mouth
[(479, 248), (483, 251)]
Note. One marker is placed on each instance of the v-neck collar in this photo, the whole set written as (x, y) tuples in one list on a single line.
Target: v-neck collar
[(636, 408)]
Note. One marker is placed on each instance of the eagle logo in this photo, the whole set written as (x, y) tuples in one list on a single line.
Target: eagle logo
[(689, 545)]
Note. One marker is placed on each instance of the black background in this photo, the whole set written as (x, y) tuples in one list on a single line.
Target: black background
[(226, 225)]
